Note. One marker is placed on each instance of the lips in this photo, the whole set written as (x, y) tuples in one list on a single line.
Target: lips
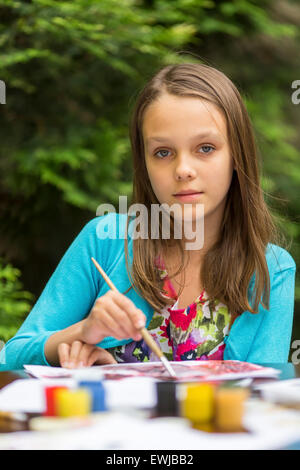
[(187, 192), (185, 197)]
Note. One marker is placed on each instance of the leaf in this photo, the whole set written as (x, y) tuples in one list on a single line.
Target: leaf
[(155, 323)]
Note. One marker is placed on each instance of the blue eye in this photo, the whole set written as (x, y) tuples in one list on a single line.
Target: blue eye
[(208, 147), (161, 151), (167, 151)]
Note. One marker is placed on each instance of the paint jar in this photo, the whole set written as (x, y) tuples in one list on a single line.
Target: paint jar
[(166, 399), (73, 402), (230, 406), (198, 403), (97, 392), (50, 396)]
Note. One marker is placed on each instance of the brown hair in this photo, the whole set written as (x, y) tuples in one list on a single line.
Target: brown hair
[(247, 226)]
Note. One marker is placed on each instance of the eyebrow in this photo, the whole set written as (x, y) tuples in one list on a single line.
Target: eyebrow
[(211, 134)]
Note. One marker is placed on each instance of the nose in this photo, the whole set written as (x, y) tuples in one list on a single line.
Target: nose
[(184, 169)]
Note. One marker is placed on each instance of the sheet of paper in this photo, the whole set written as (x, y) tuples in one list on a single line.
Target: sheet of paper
[(185, 370), (47, 372), (189, 370)]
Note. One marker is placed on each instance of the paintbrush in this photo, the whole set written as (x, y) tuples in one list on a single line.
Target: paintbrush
[(144, 332)]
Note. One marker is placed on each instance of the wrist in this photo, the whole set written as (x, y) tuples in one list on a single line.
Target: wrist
[(67, 335), (81, 330), (89, 333)]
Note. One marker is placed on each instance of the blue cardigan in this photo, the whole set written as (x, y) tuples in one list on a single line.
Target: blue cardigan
[(75, 284)]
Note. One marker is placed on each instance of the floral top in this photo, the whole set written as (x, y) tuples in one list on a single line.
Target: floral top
[(194, 333)]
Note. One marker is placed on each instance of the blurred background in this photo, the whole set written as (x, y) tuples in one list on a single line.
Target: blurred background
[(72, 71)]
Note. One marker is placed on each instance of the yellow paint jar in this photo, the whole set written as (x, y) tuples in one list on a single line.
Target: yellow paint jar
[(230, 408), (73, 402), (198, 403)]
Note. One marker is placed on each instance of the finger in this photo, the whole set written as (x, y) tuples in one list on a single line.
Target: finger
[(111, 324), (101, 356), (84, 354), (122, 319), (74, 353), (63, 354), (135, 315)]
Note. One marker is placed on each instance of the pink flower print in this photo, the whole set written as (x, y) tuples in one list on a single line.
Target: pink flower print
[(170, 289), (186, 351), (202, 297), (202, 358), (217, 355), (166, 331), (182, 320), (158, 262)]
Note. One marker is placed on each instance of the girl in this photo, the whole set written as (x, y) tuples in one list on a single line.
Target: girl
[(231, 299)]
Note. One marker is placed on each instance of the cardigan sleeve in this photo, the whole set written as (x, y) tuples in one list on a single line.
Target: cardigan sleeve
[(271, 342), (66, 299)]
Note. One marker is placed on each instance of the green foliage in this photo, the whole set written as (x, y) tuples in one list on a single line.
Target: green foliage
[(15, 303), (71, 66)]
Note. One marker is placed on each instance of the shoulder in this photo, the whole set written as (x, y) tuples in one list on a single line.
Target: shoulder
[(105, 236), (279, 259), (109, 226)]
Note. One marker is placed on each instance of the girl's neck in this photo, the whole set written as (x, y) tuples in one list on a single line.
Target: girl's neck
[(172, 257)]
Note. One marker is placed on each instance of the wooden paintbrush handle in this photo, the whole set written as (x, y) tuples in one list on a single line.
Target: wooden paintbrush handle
[(144, 332), (151, 343)]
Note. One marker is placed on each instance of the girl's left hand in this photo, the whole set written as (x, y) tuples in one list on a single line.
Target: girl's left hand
[(80, 354)]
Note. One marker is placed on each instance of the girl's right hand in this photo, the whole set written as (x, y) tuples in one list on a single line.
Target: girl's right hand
[(115, 315)]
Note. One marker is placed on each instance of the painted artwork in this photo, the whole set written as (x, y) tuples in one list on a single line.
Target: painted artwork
[(184, 370), (189, 370)]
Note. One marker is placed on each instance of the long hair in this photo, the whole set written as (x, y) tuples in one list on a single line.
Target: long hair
[(248, 225)]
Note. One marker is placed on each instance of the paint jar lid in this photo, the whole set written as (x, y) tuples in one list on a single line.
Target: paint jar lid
[(167, 402), (88, 373)]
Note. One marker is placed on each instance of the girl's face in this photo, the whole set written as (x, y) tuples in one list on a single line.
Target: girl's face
[(186, 147)]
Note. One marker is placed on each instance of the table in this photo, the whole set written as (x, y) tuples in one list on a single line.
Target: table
[(288, 371)]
